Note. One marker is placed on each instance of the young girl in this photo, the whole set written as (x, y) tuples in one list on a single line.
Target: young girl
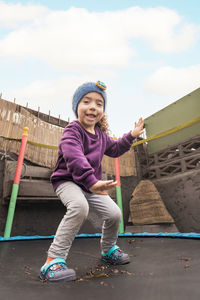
[(77, 180)]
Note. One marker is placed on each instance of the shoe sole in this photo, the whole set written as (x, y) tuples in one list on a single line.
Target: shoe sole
[(117, 263), (68, 278)]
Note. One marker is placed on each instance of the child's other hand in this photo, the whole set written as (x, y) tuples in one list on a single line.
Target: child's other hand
[(101, 187), (138, 130)]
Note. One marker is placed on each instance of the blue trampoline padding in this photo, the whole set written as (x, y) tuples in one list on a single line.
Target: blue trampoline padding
[(192, 235)]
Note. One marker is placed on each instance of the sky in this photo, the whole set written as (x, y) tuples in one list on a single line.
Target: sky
[(147, 53)]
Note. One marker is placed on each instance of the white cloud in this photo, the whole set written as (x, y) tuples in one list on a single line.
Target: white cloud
[(55, 95), (71, 40), (14, 15), (170, 81), (161, 27), (47, 94), (76, 39)]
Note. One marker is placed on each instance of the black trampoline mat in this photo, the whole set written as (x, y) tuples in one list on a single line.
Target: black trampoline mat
[(160, 269)]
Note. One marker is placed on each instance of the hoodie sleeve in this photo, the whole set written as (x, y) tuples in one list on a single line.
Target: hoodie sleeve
[(118, 147), (73, 153)]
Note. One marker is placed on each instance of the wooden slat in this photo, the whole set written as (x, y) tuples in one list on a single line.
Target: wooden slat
[(47, 118), (27, 171), (36, 188), (25, 199), (31, 188)]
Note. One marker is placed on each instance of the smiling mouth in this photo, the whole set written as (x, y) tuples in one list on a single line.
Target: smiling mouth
[(91, 116)]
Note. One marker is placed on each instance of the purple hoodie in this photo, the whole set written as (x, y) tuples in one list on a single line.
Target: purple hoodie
[(80, 154)]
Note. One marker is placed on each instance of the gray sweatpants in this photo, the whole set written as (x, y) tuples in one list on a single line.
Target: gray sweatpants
[(77, 203)]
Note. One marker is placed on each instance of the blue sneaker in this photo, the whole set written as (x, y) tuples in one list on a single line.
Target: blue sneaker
[(115, 256), (57, 270)]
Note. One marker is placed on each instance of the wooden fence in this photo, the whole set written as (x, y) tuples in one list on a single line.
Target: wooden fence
[(13, 118)]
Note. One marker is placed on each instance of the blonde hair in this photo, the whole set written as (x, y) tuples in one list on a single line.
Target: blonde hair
[(103, 124)]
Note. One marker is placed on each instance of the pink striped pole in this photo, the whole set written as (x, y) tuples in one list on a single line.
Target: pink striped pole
[(118, 192), (15, 187)]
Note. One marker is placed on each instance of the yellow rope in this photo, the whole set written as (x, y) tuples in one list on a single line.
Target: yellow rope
[(164, 133), (31, 143), (10, 139), (157, 136), (42, 145)]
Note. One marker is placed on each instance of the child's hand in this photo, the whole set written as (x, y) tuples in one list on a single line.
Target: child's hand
[(138, 130), (101, 187)]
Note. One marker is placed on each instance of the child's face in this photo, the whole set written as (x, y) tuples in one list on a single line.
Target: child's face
[(90, 110)]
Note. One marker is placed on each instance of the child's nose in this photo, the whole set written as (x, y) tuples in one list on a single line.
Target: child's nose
[(92, 106)]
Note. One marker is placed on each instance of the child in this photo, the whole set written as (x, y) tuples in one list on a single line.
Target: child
[(77, 180)]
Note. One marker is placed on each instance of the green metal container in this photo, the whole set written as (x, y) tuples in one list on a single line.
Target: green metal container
[(179, 112)]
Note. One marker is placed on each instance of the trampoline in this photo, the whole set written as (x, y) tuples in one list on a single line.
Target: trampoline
[(162, 267)]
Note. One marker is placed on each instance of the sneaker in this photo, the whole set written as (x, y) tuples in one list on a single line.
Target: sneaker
[(57, 270), (115, 256)]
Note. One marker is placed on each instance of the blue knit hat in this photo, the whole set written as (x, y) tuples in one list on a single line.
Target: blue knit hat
[(88, 87)]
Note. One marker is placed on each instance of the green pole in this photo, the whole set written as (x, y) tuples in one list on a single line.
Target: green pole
[(11, 210), (119, 203)]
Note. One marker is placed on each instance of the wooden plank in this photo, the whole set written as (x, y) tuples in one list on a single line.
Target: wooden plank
[(45, 117), (38, 188), (27, 171), (31, 188), (151, 228), (7, 188), (39, 172), (37, 199), (25, 199)]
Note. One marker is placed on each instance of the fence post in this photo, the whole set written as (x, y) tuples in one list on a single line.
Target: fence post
[(118, 192), (15, 187)]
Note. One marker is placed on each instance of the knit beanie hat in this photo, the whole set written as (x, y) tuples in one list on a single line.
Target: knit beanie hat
[(88, 87)]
